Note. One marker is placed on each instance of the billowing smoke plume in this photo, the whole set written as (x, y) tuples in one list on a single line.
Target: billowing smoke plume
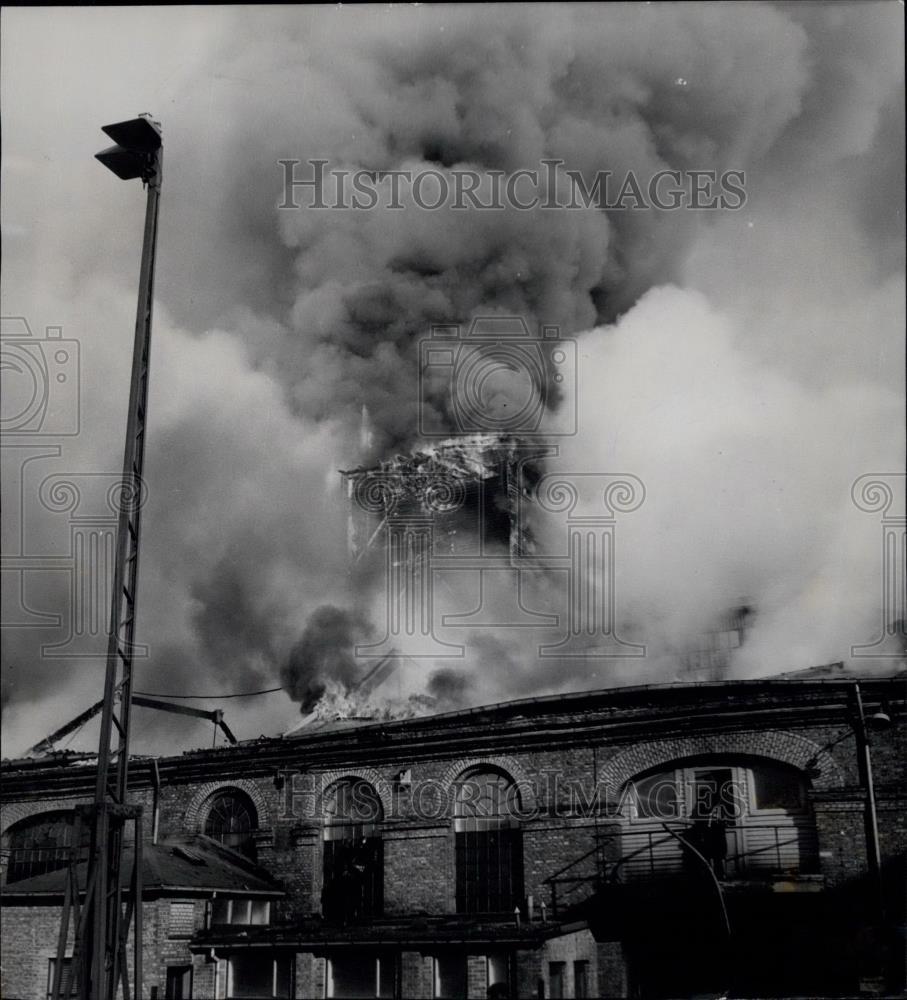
[(746, 365), (325, 652), (449, 687)]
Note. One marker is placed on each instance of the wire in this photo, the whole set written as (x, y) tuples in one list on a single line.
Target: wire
[(209, 697)]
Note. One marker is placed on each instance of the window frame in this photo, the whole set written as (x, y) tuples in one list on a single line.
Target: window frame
[(473, 847), (187, 968), (743, 779), (275, 959), (387, 959), (248, 903), (679, 797), (756, 810), (343, 829), (59, 854), (557, 972), (248, 848), (506, 959), (584, 966), (51, 965), (436, 977)]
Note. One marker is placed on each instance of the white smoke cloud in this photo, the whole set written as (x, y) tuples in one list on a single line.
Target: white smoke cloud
[(747, 366)]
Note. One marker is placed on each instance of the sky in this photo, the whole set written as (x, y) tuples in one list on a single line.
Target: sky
[(746, 364)]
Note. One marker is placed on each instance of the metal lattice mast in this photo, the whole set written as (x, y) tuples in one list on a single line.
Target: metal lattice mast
[(101, 928)]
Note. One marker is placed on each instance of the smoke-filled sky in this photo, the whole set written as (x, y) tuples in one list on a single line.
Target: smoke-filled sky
[(746, 364)]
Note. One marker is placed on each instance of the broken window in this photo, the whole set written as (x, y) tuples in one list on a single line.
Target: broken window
[(232, 820), (353, 867), (489, 845)]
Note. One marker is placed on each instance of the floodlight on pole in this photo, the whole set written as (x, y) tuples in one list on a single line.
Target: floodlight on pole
[(99, 967), (136, 144)]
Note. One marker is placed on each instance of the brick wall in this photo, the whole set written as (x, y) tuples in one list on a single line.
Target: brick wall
[(29, 936), (417, 828)]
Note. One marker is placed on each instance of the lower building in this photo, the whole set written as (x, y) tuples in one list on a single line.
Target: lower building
[(741, 837)]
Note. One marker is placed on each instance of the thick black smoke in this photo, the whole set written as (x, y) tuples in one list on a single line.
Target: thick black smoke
[(450, 687), (325, 652)]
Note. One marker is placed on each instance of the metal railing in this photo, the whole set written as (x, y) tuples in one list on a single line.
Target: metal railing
[(660, 853)]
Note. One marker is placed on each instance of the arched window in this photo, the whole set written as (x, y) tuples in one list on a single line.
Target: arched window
[(39, 844), (489, 844), (232, 820), (745, 816), (353, 869)]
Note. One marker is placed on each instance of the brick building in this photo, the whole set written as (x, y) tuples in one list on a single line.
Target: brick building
[(673, 840)]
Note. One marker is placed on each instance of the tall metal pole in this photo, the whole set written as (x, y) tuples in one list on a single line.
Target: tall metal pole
[(99, 965), (864, 761)]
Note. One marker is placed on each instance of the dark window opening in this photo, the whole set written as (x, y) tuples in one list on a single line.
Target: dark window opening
[(353, 861), (489, 845), (776, 788), (179, 982), (450, 977), (260, 977), (358, 974), (499, 975), (556, 976), (581, 979)]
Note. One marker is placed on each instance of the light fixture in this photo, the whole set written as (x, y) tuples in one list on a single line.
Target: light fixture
[(881, 717), (134, 155)]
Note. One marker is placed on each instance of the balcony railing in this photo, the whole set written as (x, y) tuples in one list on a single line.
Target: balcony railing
[(751, 851)]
